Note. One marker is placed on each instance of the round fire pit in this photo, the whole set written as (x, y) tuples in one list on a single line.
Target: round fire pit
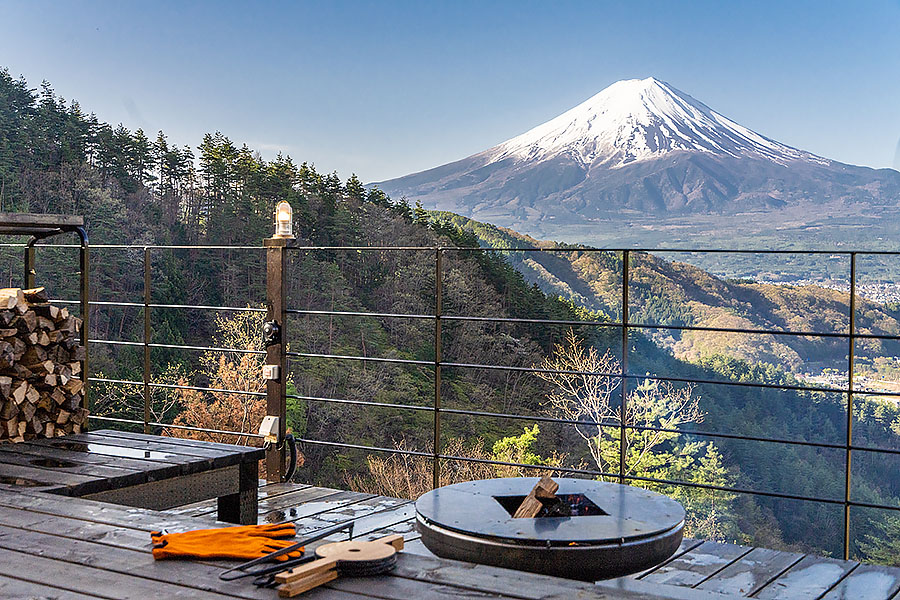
[(613, 529)]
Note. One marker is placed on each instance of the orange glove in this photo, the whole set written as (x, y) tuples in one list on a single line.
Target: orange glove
[(273, 530), (243, 547)]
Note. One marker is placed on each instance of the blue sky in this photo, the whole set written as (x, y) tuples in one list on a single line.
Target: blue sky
[(383, 89)]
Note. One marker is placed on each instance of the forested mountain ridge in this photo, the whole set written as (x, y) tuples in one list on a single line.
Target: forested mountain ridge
[(53, 158), (671, 293)]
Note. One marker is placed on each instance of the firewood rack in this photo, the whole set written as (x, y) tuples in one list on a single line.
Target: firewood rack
[(42, 226)]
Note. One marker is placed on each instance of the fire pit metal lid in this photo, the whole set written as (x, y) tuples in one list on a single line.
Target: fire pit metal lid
[(632, 513)]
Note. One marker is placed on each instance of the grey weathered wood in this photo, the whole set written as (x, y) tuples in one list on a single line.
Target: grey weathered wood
[(17, 589), (160, 469), (194, 575), (417, 547), (62, 482), (362, 525), (398, 588), (643, 589), (808, 579), (307, 503), (39, 220), (187, 472), (68, 527), (90, 510), (527, 586), (8, 455), (90, 580), (867, 582), (693, 567), (358, 509), (751, 572), (227, 448), (265, 493), (686, 545), (119, 446)]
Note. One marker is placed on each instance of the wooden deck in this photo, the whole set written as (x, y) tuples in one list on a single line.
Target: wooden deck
[(72, 548), (700, 569)]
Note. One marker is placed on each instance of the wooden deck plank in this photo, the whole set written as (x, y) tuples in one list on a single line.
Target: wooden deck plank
[(528, 586), (111, 514), (751, 572), (644, 589), (265, 494), (398, 588), (178, 441), (100, 535), (686, 545), (343, 511), (119, 446), (79, 577), (867, 582), (417, 547), (808, 579), (693, 567), (9, 456), (18, 589), (59, 482), (67, 527), (136, 464), (362, 525), (195, 576), (306, 503)]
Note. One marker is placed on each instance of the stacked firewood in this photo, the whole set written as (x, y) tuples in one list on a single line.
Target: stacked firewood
[(41, 389)]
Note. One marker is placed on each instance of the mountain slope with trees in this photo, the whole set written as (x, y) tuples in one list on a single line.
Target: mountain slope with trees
[(671, 293)]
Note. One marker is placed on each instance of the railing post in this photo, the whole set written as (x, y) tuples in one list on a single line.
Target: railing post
[(147, 291), (438, 309), (849, 445), (276, 403), (85, 281), (623, 438), (29, 264)]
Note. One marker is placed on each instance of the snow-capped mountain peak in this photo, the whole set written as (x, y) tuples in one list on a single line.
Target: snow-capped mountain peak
[(639, 147), (640, 119)]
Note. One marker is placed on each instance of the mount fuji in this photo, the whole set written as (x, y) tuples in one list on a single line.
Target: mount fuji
[(640, 147)]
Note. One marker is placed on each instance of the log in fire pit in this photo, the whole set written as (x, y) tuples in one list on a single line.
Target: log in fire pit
[(611, 529)]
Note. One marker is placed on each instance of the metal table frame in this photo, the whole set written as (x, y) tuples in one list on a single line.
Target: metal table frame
[(42, 226)]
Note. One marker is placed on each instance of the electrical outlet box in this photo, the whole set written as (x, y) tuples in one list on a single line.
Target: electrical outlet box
[(271, 372), (269, 429)]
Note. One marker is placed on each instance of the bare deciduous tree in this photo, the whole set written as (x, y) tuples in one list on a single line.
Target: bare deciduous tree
[(584, 385)]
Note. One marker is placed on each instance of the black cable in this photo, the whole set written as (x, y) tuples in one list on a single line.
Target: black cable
[(292, 465)]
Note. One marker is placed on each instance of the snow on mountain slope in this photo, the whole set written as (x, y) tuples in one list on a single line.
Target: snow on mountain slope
[(639, 119), (646, 148)]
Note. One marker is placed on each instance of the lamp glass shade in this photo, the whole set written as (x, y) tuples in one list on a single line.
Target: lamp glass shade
[(284, 220)]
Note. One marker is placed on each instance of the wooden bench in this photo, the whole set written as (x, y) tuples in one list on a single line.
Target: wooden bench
[(139, 470)]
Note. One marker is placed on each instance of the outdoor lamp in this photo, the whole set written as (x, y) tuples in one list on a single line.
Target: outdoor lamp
[(284, 220)]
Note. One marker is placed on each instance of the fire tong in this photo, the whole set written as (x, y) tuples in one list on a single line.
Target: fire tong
[(265, 575)]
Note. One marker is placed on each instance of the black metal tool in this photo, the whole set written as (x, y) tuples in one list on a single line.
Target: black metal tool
[(242, 570)]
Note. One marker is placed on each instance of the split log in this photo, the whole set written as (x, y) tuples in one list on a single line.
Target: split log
[(531, 505), (41, 391), (10, 298)]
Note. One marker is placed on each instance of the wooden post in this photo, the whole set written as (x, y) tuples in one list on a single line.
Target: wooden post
[(276, 404)]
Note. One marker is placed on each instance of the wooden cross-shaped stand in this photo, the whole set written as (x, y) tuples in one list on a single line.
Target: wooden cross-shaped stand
[(368, 558)]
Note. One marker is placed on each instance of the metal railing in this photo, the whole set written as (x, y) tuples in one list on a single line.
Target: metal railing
[(278, 310)]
